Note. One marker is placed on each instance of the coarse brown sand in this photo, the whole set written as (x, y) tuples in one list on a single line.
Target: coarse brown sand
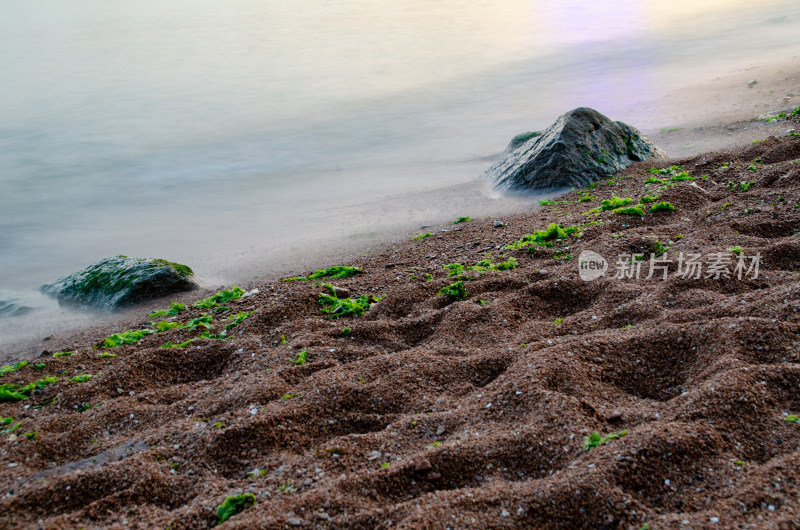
[(434, 413)]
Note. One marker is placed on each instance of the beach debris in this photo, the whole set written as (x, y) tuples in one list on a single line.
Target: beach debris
[(120, 281), (581, 147), (752, 83), (498, 224)]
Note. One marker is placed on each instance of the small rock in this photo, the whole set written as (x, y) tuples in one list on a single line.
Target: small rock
[(294, 521), (615, 416), (498, 224), (439, 430), (44, 353), (423, 466), (752, 83), (341, 292), (433, 476), (504, 513), (323, 516), (542, 272), (308, 482)]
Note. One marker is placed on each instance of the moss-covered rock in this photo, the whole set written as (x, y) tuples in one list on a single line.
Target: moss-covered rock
[(121, 281)]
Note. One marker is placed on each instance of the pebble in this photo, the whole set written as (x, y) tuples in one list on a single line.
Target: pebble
[(440, 430), (504, 513), (341, 292), (294, 521), (498, 224), (615, 416), (752, 83), (423, 466), (323, 516), (433, 476)]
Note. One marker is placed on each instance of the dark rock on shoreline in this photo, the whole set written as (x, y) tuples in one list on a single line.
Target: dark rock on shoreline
[(582, 146), (121, 281)]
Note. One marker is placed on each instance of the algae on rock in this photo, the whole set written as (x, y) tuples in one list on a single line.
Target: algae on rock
[(121, 281)]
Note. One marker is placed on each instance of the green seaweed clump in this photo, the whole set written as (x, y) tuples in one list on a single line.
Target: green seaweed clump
[(300, 359), (333, 273), (542, 238), (678, 177), (237, 319), (461, 220), (222, 297), (454, 291), (81, 378), (614, 203), (233, 505), (171, 312), (132, 336), (63, 354), (11, 392), (422, 236), (166, 326), (632, 210), (662, 207), (665, 171), (596, 439), (169, 344), (203, 321), (648, 199), (341, 307), (6, 369)]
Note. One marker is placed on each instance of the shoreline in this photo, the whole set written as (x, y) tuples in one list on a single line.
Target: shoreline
[(252, 270), (479, 411)]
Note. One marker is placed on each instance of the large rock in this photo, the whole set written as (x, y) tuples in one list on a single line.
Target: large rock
[(582, 146), (121, 281)]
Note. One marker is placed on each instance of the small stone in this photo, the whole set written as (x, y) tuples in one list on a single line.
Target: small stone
[(423, 466), (341, 292), (294, 521), (308, 482), (752, 83), (433, 476), (614, 416), (498, 224), (542, 272), (504, 513), (44, 353), (440, 430), (323, 516)]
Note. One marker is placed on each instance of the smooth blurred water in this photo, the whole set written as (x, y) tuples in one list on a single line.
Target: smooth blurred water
[(205, 131)]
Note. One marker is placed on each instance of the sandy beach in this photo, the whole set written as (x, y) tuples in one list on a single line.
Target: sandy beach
[(476, 410)]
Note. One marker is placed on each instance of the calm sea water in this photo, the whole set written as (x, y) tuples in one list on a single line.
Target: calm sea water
[(205, 132)]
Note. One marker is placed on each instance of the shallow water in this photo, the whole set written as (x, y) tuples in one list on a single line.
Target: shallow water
[(217, 135)]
